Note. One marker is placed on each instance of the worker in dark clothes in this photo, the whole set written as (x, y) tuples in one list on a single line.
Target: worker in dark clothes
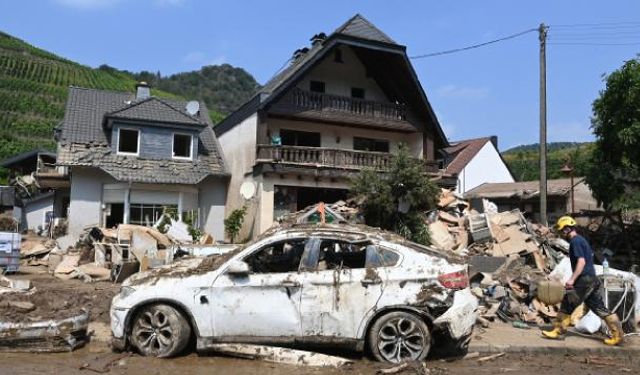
[(582, 287)]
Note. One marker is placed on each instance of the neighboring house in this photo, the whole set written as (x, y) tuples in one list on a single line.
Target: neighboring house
[(128, 157), (341, 105), (526, 197), (34, 204), (475, 162)]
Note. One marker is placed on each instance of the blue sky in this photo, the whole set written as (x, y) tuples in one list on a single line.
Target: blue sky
[(486, 91)]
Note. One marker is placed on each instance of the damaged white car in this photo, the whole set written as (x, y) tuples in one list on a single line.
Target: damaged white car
[(332, 285)]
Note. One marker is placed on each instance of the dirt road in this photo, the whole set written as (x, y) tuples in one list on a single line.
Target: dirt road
[(96, 359)]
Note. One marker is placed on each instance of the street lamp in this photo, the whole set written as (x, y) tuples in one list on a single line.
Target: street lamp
[(568, 170)]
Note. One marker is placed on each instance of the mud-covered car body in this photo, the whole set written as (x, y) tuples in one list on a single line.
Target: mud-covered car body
[(320, 284)]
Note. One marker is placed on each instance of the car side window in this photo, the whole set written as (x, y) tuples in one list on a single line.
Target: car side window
[(336, 254), (378, 256), (277, 257)]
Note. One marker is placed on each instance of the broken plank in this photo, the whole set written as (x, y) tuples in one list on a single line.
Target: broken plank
[(279, 355), (491, 357), (393, 370)]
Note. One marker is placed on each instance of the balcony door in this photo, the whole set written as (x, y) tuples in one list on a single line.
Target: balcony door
[(299, 138)]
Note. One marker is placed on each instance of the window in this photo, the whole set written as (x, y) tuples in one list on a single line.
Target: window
[(182, 145), (148, 214), (369, 144), (316, 86), (357, 92), (298, 138), (337, 56), (338, 255), (128, 141), (277, 257)]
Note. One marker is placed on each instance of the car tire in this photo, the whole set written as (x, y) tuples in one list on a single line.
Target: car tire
[(159, 331), (399, 336)]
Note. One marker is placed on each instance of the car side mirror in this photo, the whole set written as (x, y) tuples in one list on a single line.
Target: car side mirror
[(238, 268)]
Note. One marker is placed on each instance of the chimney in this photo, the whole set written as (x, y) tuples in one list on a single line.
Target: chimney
[(494, 140), (299, 53), (318, 38), (143, 90)]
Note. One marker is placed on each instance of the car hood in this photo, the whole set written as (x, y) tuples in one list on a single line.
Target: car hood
[(181, 269)]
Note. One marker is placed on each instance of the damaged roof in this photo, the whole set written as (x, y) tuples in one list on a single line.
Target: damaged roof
[(382, 56), (523, 189), (83, 140)]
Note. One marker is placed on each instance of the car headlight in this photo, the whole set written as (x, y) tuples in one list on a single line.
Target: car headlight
[(126, 291)]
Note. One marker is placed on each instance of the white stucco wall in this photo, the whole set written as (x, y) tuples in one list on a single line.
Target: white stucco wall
[(33, 213), (341, 137), (339, 78), (486, 166), (212, 194), (86, 198)]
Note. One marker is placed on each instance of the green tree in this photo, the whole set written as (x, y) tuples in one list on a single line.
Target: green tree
[(614, 172), (233, 223), (397, 199)]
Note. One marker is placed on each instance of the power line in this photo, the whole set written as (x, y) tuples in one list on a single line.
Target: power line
[(594, 44), (603, 25), (474, 46)]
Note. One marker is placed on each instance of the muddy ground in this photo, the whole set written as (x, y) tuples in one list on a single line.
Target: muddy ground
[(56, 299), (90, 360)]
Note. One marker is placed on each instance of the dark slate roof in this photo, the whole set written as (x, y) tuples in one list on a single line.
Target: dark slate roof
[(83, 139), (359, 27), (154, 109)]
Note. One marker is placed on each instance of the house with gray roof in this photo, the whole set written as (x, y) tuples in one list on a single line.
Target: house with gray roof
[(343, 103), (126, 157)]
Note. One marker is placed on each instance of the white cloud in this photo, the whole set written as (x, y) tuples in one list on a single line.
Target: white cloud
[(461, 92), (572, 131), (88, 4)]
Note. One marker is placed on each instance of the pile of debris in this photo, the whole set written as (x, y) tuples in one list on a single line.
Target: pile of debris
[(114, 254)]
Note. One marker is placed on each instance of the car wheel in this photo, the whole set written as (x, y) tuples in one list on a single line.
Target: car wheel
[(160, 331), (398, 337)]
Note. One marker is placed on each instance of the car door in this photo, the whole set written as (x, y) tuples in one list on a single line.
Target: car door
[(339, 288), (264, 303)]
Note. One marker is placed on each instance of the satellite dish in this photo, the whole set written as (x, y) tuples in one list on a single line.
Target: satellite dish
[(193, 107), (247, 190)]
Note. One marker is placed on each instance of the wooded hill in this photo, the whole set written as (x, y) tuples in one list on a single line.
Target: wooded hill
[(524, 161), (34, 87)]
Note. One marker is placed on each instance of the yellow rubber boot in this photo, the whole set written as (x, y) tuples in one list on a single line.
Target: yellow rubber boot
[(615, 326), (560, 325)]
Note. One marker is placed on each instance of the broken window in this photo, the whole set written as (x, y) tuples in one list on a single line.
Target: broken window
[(357, 92), (128, 141), (370, 144), (182, 146), (299, 138), (316, 86), (148, 214), (336, 254), (277, 257)]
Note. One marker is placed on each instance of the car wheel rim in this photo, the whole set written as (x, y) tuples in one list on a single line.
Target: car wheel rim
[(153, 332), (401, 340)]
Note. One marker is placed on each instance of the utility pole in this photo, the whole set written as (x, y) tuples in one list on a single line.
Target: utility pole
[(542, 30)]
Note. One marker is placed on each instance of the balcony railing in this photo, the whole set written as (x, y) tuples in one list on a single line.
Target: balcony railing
[(329, 157), (300, 100)]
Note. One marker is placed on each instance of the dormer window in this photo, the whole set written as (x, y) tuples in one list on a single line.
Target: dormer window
[(182, 146), (128, 141)]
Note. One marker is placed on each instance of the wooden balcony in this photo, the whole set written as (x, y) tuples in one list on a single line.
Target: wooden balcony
[(342, 109), (49, 175), (329, 158)]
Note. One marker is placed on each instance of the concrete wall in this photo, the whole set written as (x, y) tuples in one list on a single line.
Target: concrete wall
[(33, 213), (486, 166), (86, 198), (336, 136), (239, 150), (155, 142), (212, 196), (339, 78)]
